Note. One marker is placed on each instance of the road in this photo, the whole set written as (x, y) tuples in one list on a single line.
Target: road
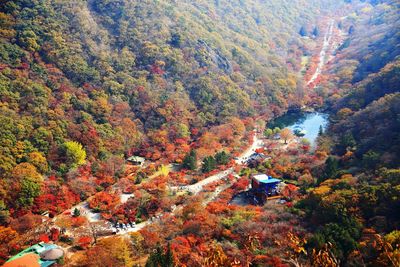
[(194, 189), (257, 143), (198, 187), (322, 54)]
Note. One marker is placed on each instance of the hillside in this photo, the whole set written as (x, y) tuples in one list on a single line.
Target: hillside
[(132, 132), (123, 77), (102, 66), (354, 203)]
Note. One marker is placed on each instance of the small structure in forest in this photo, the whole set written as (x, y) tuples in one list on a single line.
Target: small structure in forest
[(136, 160), (255, 159), (263, 187), (40, 255)]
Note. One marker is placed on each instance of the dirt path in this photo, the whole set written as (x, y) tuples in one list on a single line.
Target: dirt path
[(322, 54), (198, 187), (194, 189)]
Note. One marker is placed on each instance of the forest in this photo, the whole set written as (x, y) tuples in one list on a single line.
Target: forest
[(131, 131)]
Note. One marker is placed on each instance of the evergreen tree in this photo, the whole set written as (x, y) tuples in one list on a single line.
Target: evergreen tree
[(348, 140), (303, 31), (176, 40), (29, 191), (315, 31), (370, 159), (168, 257), (190, 160), (321, 130), (76, 213), (160, 259), (351, 29), (209, 164), (331, 167), (222, 158)]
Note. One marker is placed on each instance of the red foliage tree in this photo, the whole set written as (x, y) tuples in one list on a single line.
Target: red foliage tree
[(44, 238), (84, 242)]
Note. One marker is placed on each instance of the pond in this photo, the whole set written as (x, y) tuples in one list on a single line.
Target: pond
[(306, 122)]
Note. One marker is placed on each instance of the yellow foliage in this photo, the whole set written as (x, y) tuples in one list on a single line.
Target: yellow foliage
[(118, 247), (27, 171), (324, 257), (7, 235), (162, 171), (216, 257), (344, 113), (322, 190), (366, 9), (39, 161), (297, 243)]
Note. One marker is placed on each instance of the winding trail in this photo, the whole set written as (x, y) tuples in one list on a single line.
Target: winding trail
[(198, 187), (322, 54), (194, 189)]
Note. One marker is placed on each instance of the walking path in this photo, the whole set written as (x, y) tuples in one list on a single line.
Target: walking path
[(194, 189), (197, 187), (322, 54)]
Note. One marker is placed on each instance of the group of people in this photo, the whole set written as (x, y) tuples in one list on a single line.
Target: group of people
[(123, 226)]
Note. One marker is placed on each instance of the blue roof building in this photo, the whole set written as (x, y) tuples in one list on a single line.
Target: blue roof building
[(262, 183)]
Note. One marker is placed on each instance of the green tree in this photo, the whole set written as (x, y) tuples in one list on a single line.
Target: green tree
[(76, 213), (75, 153), (316, 31), (268, 132), (331, 168), (29, 191), (209, 164), (4, 213), (277, 130), (348, 140), (303, 31), (343, 238), (321, 130), (221, 158), (41, 139), (370, 159), (190, 161), (176, 40), (28, 39), (158, 258)]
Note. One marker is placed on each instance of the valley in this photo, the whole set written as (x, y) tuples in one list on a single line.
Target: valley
[(323, 54), (206, 133)]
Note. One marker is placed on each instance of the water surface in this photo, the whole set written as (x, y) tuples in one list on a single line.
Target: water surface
[(310, 122)]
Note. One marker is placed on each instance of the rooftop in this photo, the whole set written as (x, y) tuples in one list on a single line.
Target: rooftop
[(32, 255), (136, 159), (265, 179)]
